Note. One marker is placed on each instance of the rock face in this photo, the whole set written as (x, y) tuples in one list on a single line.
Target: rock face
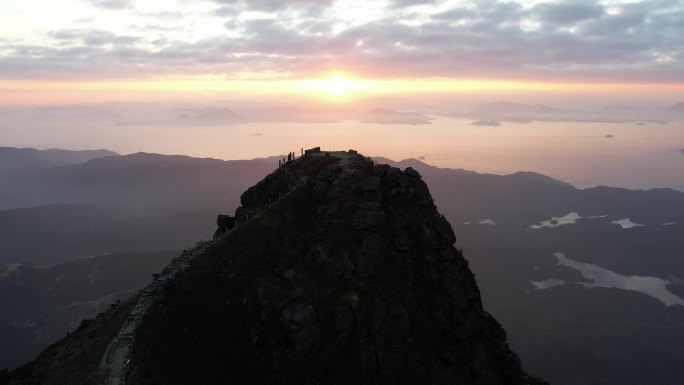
[(352, 279)]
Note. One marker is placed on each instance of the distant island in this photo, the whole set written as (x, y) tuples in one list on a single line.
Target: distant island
[(675, 107), (492, 123)]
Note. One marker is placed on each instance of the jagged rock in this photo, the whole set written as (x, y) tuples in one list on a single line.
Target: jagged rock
[(372, 183), (380, 170), (225, 223), (410, 171), (299, 320), (369, 219), (241, 214), (445, 231)]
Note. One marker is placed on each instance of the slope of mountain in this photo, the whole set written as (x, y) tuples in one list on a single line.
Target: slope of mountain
[(121, 204), (511, 227), (41, 303), (521, 200), (75, 359), (351, 278)]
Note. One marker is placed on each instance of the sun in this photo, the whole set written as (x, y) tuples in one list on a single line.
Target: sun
[(337, 86)]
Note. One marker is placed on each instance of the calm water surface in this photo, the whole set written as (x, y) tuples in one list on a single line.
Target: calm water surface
[(600, 277)]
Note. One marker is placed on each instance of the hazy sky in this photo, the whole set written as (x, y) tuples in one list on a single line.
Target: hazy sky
[(128, 47)]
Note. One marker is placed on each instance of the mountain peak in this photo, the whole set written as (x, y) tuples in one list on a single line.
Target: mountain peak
[(339, 271), (345, 273)]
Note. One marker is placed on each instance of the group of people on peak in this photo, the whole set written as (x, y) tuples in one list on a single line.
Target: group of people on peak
[(291, 157)]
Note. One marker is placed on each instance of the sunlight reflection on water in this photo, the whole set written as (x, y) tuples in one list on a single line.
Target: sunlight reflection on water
[(651, 286)]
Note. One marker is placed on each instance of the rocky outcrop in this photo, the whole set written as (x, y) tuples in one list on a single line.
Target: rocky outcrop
[(225, 223), (337, 271), (352, 279)]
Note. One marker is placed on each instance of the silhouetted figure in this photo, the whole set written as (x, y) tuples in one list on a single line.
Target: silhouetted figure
[(289, 158)]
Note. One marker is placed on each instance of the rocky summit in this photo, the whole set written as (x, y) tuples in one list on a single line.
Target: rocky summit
[(334, 270)]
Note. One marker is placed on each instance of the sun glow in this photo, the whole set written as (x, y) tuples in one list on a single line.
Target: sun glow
[(337, 87)]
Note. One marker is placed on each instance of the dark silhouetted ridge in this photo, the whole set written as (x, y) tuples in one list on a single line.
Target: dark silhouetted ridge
[(339, 271)]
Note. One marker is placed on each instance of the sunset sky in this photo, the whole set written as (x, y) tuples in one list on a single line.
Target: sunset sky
[(75, 51)]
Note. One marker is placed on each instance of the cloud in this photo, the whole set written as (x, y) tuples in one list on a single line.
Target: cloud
[(411, 3), (93, 37), (571, 40), (568, 12), (273, 5), (111, 4)]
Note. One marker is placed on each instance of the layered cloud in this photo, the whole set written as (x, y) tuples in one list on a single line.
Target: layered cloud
[(610, 40)]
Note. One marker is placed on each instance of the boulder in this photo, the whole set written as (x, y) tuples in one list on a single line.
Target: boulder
[(410, 171), (225, 221)]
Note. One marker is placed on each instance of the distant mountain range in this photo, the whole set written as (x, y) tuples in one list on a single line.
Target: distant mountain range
[(137, 180), (677, 107), (289, 113), (504, 111), (19, 161)]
